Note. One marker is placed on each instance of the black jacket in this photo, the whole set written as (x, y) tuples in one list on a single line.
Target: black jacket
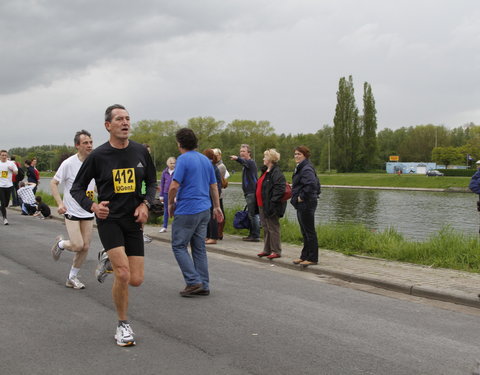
[(305, 183), (273, 188), (249, 175)]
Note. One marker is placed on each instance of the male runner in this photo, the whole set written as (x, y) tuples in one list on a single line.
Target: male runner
[(79, 222), (7, 169), (119, 166)]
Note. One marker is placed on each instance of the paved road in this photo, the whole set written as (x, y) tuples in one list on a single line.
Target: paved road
[(260, 319)]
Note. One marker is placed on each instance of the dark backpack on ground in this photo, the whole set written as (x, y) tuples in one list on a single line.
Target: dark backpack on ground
[(241, 220)]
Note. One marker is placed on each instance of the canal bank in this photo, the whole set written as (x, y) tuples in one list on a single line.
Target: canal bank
[(434, 283)]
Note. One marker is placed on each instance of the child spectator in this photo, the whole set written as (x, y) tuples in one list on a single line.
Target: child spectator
[(42, 209)]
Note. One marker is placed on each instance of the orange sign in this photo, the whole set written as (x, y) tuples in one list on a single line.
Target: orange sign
[(394, 158)]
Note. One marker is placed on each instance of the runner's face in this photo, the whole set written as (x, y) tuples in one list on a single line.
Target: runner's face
[(119, 127), (3, 157), (85, 146)]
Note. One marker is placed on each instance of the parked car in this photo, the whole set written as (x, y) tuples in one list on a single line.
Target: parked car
[(434, 172)]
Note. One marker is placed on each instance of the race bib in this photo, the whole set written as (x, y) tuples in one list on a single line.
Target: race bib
[(4, 174), (89, 194), (124, 180)]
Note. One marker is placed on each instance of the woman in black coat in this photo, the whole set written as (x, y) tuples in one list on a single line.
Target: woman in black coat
[(305, 192), (269, 193)]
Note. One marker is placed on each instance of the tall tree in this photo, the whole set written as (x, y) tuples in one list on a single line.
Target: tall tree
[(346, 130), (369, 131)]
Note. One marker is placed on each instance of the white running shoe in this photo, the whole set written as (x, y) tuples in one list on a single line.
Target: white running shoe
[(124, 335), (104, 266), (74, 283), (146, 239), (162, 230), (56, 251), (5, 221)]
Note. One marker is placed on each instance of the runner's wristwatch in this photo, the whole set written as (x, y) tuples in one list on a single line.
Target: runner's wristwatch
[(147, 203)]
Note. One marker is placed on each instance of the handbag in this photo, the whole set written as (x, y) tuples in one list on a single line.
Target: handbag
[(288, 192), (241, 219)]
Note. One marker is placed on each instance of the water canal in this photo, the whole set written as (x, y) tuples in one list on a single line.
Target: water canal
[(415, 214)]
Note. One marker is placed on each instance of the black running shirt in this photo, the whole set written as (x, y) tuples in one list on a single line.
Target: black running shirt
[(118, 174)]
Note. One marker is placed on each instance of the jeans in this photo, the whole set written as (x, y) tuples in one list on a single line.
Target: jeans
[(191, 229), (306, 219), (254, 219)]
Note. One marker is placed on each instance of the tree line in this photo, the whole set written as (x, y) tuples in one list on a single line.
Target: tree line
[(352, 144)]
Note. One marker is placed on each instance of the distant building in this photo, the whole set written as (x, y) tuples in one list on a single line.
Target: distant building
[(410, 167)]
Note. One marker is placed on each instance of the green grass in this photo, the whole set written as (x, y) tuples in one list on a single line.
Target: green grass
[(446, 249), (382, 180)]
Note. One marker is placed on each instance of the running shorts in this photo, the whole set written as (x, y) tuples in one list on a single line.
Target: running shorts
[(122, 232)]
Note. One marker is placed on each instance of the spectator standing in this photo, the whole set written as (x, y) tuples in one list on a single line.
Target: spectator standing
[(31, 175), (224, 175), (305, 192), (165, 181), (212, 228), (475, 184), (15, 181), (269, 194), (7, 170), (192, 186), (249, 183)]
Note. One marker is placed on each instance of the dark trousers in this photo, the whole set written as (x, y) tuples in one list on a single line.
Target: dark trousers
[(4, 200), (306, 219), (15, 201)]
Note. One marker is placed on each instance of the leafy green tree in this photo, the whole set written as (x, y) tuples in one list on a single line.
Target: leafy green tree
[(369, 128), (448, 155), (346, 128)]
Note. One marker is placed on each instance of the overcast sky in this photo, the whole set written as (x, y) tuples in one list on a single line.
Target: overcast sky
[(63, 62)]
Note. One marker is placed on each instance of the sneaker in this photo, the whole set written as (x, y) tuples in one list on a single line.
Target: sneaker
[(191, 290), (297, 261), (263, 254), (5, 221), (56, 250), (74, 283), (104, 266), (203, 292), (124, 335), (162, 230), (146, 239)]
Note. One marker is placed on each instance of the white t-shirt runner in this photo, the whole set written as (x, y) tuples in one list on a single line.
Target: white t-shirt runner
[(6, 173), (66, 174)]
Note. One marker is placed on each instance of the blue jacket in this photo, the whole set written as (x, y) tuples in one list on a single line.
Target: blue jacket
[(305, 183), (475, 183), (249, 175)]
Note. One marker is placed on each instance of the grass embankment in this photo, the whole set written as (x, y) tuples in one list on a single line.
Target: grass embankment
[(445, 249), (383, 180)]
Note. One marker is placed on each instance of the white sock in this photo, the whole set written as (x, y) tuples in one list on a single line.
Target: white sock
[(73, 272), (61, 245)]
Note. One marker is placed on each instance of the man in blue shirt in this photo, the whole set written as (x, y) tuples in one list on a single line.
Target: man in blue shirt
[(193, 183)]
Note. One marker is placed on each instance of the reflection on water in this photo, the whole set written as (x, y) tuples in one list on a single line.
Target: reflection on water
[(415, 214)]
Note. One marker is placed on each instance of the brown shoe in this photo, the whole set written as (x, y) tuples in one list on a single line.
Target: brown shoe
[(202, 292), (274, 256), (211, 241), (306, 263), (251, 239), (191, 289), (297, 261)]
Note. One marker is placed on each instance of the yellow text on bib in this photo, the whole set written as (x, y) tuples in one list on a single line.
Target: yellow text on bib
[(124, 180)]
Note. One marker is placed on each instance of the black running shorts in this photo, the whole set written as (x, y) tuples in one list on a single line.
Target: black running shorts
[(122, 232)]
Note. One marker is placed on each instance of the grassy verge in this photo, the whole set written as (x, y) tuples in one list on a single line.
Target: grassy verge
[(446, 249), (383, 180)]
